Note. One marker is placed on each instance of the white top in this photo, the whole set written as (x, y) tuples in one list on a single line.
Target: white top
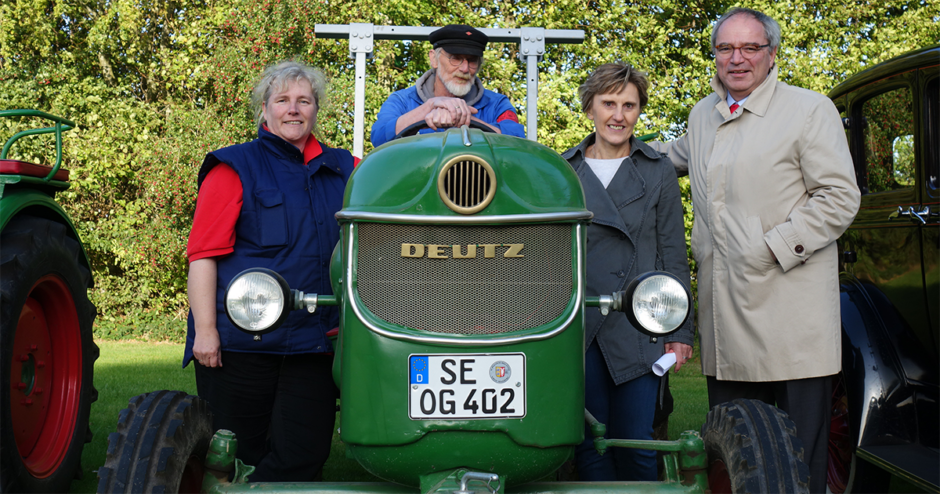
[(604, 169)]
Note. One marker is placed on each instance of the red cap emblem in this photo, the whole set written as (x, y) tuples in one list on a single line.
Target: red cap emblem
[(469, 33)]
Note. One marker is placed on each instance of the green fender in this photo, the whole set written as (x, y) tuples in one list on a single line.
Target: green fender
[(18, 201)]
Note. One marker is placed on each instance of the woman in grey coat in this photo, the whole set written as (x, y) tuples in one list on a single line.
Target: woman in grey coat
[(634, 195)]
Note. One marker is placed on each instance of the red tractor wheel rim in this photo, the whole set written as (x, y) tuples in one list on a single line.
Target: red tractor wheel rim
[(718, 479), (840, 440), (46, 376), (193, 474)]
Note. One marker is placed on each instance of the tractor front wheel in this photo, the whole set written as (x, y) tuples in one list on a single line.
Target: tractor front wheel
[(47, 356), (752, 447), (160, 445)]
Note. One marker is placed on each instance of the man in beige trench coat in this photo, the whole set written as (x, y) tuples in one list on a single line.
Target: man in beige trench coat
[(773, 188)]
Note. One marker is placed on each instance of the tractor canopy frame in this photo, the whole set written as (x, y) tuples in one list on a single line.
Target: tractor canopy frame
[(531, 40)]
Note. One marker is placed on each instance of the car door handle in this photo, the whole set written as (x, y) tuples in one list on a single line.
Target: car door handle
[(920, 217), (926, 213)]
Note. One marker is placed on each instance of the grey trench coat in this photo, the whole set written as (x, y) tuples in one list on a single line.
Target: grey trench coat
[(637, 227)]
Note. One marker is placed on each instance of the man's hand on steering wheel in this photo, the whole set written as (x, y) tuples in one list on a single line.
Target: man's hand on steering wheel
[(420, 125), (440, 117), (457, 108)]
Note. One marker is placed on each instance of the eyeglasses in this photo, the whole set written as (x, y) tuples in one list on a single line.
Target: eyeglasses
[(457, 60), (748, 50)]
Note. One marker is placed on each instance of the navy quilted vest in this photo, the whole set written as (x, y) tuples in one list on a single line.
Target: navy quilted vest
[(287, 224)]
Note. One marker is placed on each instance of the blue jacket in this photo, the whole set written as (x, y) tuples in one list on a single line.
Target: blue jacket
[(286, 224), (490, 106)]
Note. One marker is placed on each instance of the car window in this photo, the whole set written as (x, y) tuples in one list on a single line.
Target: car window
[(888, 138)]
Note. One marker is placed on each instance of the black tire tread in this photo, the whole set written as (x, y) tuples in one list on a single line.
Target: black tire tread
[(156, 434), (29, 247), (758, 445)]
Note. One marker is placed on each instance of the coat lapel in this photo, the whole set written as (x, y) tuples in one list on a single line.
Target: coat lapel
[(598, 201), (626, 186)]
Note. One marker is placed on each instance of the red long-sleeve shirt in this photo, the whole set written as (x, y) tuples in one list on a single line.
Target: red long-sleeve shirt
[(218, 206)]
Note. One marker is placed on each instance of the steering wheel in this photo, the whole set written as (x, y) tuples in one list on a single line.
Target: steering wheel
[(421, 125)]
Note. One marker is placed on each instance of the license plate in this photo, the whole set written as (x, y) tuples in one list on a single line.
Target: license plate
[(466, 386)]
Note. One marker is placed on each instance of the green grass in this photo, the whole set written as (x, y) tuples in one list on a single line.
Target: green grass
[(690, 397), (124, 370), (129, 368)]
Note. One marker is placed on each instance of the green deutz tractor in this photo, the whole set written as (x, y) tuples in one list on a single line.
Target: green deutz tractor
[(47, 354), (460, 352), (460, 281)]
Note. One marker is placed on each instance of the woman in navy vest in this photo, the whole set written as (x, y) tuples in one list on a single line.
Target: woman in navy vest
[(270, 203), (637, 227)]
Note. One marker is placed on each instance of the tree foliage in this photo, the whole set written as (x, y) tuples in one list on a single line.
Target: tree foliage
[(155, 84)]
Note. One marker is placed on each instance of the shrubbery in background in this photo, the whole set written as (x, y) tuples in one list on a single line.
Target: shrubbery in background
[(155, 85)]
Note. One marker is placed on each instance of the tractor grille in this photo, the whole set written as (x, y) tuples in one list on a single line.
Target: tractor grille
[(467, 184), (475, 296)]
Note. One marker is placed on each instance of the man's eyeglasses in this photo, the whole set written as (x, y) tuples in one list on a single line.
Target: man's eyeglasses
[(458, 60), (748, 50)]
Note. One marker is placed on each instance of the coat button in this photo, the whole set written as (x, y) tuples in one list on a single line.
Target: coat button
[(798, 249)]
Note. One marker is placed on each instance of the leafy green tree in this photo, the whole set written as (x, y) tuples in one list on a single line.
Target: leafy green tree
[(155, 84)]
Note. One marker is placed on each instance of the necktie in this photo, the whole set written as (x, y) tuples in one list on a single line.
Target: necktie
[(733, 108)]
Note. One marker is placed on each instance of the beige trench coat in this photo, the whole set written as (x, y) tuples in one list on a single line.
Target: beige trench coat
[(777, 175)]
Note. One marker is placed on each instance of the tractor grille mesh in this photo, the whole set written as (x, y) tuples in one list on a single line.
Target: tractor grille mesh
[(465, 296)]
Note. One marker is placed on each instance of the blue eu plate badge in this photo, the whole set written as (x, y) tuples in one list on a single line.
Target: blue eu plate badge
[(419, 369)]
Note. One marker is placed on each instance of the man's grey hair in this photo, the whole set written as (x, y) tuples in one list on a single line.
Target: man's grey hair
[(771, 28), (277, 77), (437, 54)]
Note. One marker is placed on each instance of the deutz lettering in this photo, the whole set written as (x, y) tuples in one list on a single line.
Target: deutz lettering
[(435, 251)]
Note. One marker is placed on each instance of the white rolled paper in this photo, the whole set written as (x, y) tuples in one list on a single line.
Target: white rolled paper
[(662, 365)]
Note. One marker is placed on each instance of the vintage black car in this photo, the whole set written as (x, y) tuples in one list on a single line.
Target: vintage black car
[(886, 419)]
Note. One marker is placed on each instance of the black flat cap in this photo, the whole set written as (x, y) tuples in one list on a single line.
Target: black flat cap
[(459, 39)]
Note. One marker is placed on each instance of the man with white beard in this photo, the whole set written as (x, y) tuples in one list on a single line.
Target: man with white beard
[(450, 94)]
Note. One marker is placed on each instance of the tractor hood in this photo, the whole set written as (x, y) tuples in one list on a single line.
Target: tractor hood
[(461, 173)]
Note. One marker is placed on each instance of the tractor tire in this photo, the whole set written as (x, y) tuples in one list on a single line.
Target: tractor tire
[(752, 447), (47, 356), (160, 445)]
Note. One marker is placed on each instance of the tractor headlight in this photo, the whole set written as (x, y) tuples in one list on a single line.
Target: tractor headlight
[(256, 300), (657, 303)]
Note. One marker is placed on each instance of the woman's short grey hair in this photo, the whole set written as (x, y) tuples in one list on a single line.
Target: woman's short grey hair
[(612, 78), (771, 28), (277, 77)]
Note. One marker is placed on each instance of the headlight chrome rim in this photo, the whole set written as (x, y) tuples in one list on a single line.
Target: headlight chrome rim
[(650, 325), (241, 287)]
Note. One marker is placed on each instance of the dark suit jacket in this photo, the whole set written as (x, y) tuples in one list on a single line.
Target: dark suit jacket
[(637, 227)]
